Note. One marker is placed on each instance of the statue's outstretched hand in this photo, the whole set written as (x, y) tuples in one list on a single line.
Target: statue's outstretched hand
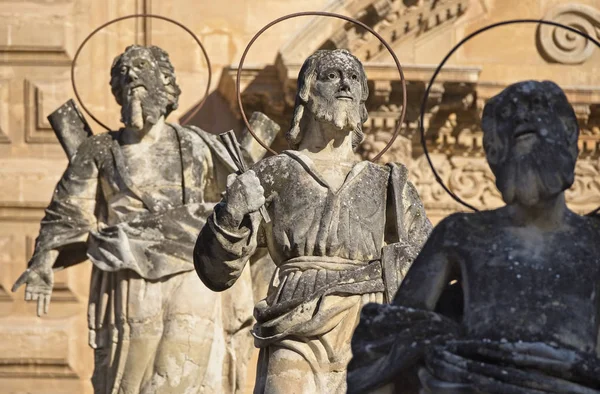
[(244, 194), (39, 280)]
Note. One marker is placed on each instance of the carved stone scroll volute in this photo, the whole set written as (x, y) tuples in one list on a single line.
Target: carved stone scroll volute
[(563, 46)]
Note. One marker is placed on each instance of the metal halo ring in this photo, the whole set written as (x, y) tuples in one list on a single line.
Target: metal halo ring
[(333, 15), (164, 18), (439, 68)]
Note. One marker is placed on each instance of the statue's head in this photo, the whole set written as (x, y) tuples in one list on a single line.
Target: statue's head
[(142, 80), (332, 87), (530, 140)]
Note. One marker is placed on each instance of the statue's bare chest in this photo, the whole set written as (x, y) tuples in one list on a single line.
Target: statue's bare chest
[(153, 165), (535, 284), (542, 263)]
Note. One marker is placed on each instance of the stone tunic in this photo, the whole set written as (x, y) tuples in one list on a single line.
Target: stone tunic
[(327, 246), (142, 297)]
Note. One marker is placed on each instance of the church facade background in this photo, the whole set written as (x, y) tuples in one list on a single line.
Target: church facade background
[(38, 39)]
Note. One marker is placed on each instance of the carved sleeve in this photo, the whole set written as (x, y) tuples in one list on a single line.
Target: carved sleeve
[(71, 213), (221, 252), (406, 220), (417, 226), (215, 164)]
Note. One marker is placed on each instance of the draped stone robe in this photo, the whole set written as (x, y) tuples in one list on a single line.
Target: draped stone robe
[(327, 246), (144, 297)]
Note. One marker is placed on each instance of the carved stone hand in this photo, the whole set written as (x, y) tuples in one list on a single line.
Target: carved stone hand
[(244, 195), (39, 281)]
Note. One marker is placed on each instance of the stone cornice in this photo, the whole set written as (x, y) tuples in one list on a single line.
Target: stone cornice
[(394, 20)]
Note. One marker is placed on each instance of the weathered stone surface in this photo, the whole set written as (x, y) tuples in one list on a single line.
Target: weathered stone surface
[(504, 300), (340, 231), (38, 39), (133, 201)]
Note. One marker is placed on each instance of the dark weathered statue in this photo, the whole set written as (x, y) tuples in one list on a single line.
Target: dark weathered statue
[(133, 202), (523, 310), (342, 232)]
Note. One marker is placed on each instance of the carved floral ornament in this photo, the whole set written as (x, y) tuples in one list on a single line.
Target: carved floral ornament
[(562, 46)]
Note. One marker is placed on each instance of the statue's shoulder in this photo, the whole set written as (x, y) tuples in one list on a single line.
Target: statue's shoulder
[(461, 223), (590, 222), (276, 171), (195, 133), (203, 141), (95, 147), (594, 220), (274, 164), (98, 141), (191, 129)]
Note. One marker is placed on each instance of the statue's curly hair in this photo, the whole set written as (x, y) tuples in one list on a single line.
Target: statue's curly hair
[(161, 57), (306, 77)]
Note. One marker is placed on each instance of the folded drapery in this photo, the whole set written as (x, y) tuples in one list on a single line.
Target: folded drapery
[(154, 245), (295, 307), (392, 339)]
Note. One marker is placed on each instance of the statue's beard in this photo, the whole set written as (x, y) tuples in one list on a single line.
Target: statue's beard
[(343, 114), (140, 108), (537, 176)]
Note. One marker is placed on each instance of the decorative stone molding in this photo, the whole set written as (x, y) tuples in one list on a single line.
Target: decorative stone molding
[(562, 46), (395, 21), (42, 97), (4, 111), (37, 35), (34, 55), (6, 259), (44, 351), (21, 212)]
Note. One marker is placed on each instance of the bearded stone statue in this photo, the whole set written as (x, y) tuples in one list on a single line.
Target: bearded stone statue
[(524, 279), (133, 202), (342, 232)]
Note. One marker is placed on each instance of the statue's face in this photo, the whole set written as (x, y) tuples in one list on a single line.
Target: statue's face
[(336, 92), (530, 144), (143, 93)]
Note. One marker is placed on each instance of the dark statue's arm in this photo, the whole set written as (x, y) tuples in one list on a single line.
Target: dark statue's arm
[(71, 212), (428, 275)]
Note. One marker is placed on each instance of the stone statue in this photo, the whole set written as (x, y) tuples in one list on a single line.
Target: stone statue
[(523, 280), (133, 202), (342, 233)]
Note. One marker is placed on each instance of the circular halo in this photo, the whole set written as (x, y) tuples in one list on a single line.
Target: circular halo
[(164, 18), (439, 68), (333, 15)]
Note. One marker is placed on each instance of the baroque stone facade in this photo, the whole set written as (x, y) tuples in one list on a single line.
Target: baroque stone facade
[(421, 33), (37, 43)]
